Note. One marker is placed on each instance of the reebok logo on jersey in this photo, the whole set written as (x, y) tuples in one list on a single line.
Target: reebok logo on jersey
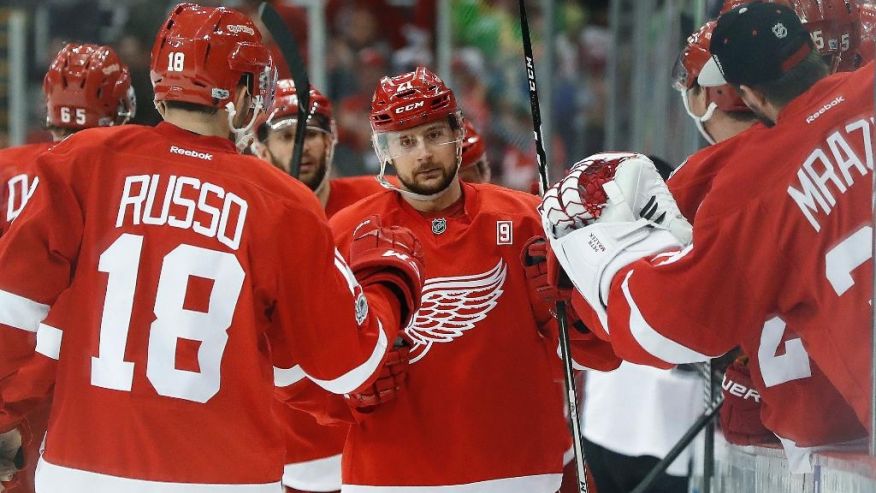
[(190, 153), (814, 116)]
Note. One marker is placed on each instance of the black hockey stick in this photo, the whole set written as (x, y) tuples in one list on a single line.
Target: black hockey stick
[(571, 392), (701, 422), (289, 48)]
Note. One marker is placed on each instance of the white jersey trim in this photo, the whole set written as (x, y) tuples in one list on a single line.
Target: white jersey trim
[(284, 377), (652, 341), (542, 483), (49, 341), (354, 378), (51, 477), (20, 312), (314, 475)]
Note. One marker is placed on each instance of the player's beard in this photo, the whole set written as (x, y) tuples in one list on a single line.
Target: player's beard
[(763, 118), (314, 180), (447, 176)]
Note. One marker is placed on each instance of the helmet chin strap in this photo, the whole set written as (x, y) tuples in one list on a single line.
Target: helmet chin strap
[(699, 121), (243, 136)]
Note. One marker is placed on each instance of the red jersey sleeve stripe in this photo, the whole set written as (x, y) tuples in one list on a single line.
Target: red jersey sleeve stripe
[(20, 312), (652, 341)]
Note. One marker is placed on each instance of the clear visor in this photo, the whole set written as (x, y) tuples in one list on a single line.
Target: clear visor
[(679, 73), (428, 137)]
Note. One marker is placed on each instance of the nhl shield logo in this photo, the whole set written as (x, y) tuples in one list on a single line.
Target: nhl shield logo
[(439, 225), (780, 30)]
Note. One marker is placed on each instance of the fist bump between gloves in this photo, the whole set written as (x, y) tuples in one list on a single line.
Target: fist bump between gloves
[(611, 210)]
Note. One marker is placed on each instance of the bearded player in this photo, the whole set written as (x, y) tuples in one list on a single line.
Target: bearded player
[(480, 335), (276, 139), (171, 267), (86, 86)]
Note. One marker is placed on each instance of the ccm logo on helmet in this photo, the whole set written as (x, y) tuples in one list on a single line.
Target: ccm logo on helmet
[(237, 28), (409, 107), (190, 153)]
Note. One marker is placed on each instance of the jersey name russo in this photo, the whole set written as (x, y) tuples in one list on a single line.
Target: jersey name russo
[(824, 174), (220, 214)]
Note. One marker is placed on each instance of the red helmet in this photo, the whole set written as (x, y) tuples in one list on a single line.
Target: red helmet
[(88, 86), (833, 24), (409, 100), (201, 54), (691, 61), (473, 147), (285, 107)]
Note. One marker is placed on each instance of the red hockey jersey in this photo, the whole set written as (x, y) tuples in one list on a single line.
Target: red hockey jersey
[(313, 451), (17, 179), (175, 272), (17, 184), (482, 409), (782, 240), (346, 191), (804, 406)]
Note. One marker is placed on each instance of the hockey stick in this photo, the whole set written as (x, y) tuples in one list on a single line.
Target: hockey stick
[(571, 392), (679, 447), (709, 433), (289, 48)]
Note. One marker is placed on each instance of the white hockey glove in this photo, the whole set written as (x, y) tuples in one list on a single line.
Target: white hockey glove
[(612, 187), (10, 444), (610, 211)]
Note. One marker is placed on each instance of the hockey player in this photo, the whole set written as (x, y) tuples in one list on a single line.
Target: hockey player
[(189, 284), (313, 451), (275, 143), (479, 335), (474, 167), (86, 86), (828, 419), (781, 240)]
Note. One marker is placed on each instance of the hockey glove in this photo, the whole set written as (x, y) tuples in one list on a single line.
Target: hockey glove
[(11, 459), (544, 274), (610, 211), (547, 280), (740, 415), (612, 187), (389, 382), (389, 255)]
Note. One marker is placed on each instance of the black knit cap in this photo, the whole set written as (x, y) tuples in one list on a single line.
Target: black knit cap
[(755, 43)]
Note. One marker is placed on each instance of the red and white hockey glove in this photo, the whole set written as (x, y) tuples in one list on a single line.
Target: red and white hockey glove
[(546, 279), (610, 211), (740, 414), (389, 381), (612, 187), (544, 275), (389, 255), (11, 459)]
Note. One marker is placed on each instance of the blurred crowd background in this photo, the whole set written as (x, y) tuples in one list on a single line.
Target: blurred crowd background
[(592, 97)]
